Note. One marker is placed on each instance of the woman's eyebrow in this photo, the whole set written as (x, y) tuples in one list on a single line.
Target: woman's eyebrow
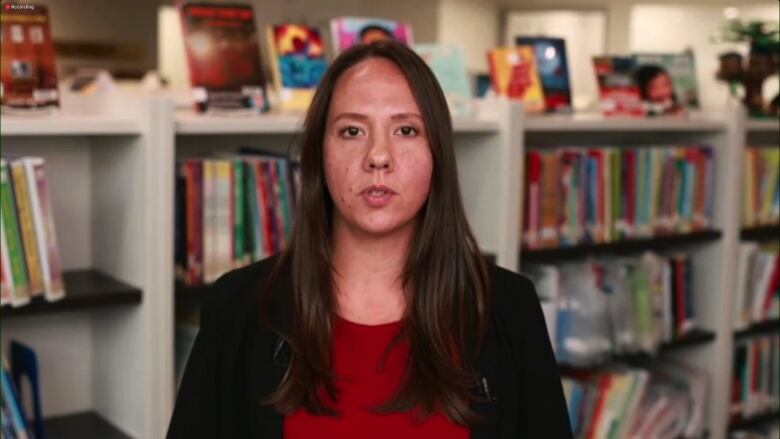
[(401, 116), (357, 116)]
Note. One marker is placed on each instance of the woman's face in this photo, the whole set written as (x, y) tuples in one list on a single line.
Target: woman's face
[(378, 163)]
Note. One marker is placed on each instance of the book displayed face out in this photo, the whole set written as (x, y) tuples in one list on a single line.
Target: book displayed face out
[(349, 31), (29, 70), (223, 53)]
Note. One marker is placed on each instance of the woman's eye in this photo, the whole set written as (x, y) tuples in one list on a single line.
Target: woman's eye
[(407, 131), (350, 132)]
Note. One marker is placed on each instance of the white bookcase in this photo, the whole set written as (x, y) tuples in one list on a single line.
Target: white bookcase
[(113, 189), (98, 347), (714, 257)]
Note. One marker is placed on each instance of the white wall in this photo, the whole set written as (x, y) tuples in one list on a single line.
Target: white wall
[(472, 24), (101, 21), (690, 26)]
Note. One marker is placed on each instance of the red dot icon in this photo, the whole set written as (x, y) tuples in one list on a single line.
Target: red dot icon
[(7, 6)]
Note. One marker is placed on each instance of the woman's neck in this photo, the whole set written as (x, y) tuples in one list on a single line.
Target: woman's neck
[(367, 274)]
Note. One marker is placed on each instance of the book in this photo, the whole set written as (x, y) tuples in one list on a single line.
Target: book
[(680, 68), (619, 95), (48, 248), (12, 403), (6, 283), (449, 66), (19, 277), (761, 203), (755, 376), (223, 55), (298, 63), (553, 66), (24, 212), (238, 210), (349, 31), (514, 75), (29, 71)]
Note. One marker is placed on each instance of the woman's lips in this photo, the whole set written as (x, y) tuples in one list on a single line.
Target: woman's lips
[(377, 196)]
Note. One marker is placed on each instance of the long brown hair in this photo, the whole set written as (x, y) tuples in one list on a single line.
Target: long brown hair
[(445, 278)]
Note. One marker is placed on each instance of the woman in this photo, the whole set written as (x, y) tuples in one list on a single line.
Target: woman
[(381, 319)]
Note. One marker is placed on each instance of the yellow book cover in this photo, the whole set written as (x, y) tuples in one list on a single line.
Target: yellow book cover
[(514, 74), (748, 218), (771, 158), (27, 227)]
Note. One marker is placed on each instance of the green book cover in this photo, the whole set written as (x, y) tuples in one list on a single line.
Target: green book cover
[(286, 198), (642, 303), (13, 236), (239, 199)]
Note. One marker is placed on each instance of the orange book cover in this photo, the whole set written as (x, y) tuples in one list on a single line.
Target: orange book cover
[(514, 74)]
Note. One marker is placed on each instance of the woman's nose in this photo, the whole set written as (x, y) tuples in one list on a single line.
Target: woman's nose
[(379, 156)]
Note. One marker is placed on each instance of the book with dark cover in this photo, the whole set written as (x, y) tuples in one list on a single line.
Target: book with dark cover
[(223, 54), (553, 66)]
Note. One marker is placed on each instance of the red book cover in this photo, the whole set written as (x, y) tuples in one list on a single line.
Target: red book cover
[(618, 92), (194, 222), (264, 205), (223, 54), (600, 200), (605, 383), (700, 164), (532, 201), (772, 288), (29, 72), (679, 279)]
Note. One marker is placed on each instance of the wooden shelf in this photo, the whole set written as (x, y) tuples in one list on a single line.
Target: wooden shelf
[(761, 233), (81, 425), (755, 421), (762, 328), (618, 247), (85, 289), (68, 125)]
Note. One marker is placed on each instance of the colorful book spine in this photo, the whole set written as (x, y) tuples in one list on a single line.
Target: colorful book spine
[(48, 247), (240, 256), (19, 276), (6, 284), (27, 227)]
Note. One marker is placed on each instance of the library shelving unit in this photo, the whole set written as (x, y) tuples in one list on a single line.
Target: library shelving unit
[(99, 357), (488, 148), (713, 251), (760, 133)]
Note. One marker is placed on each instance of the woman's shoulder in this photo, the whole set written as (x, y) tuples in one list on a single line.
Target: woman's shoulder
[(513, 297), (235, 293)]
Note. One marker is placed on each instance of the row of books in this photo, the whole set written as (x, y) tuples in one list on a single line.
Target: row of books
[(758, 284), (770, 430), (665, 402), (598, 195), (761, 204), (755, 377), (617, 306), (31, 264), (230, 212), (12, 420)]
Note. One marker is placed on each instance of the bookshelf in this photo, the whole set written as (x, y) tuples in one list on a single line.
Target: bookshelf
[(761, 233), (713, 251), (755, 421), (114, 212), (627, 246), (82, 425), (99, 347), (762, 328), (86, 290)]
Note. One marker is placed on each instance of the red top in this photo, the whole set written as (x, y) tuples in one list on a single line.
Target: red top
[(357, 350)]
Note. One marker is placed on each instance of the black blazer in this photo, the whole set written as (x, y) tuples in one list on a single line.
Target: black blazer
[(235, 362)]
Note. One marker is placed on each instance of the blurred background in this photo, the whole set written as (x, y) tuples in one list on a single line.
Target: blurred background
[(623, 154)]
